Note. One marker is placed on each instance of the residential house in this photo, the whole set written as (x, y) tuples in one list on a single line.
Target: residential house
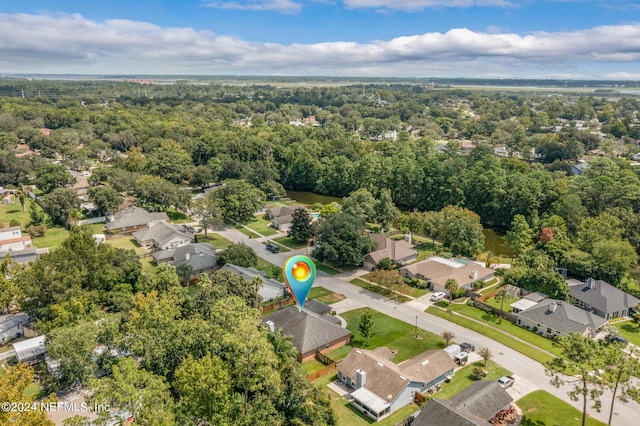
[(131, 219), (27, 255), (438, 270), (11, 326), (381, 387), (527, 301), (271, 289), (81, 185), (398, 251), (310, 333), (11, 239), (554, 317), (281, 217), (30, 350), (162, 236), (601, 298), (200, 257), (476, 405), (579, 168)]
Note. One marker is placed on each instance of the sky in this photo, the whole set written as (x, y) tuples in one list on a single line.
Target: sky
[(563, 39)]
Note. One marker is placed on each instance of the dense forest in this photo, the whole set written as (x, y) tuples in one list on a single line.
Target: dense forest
[(452, 160)]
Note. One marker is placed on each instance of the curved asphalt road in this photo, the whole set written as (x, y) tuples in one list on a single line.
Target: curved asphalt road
[(529, 374)]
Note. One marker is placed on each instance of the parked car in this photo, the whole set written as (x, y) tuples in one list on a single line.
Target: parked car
[(506, 382), (467, 347), (273, 248), (612, 338), (438, 295)]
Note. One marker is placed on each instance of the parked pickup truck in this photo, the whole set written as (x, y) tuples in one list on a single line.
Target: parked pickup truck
[(506, 381)]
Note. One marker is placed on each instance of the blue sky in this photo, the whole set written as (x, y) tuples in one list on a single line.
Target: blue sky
[(414, 38)]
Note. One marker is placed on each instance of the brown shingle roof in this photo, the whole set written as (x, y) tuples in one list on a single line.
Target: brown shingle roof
[(439, 270), (388, 248)]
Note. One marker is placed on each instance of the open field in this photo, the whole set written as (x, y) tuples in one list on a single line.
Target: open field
[(395, 334), (540, 408), (323, 295)]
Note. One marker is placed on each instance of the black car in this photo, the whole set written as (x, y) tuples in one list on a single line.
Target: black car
[(273, 248), (467, 347), (612, 338)]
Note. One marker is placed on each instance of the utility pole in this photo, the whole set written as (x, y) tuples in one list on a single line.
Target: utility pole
[(22, 93), (416, 333)]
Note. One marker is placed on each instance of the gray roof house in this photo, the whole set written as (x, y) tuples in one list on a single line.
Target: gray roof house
[(201, 257), (281, 217), (271, 289), (133, 219), (601, 298), (311, 333), (11, 326), (29, 254), (579, 168), (474, 406), (398, 251), (30, 349), (381, 387), (162, 236), (554, 317)]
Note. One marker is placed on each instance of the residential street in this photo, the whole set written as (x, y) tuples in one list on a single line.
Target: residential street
[(529, 374)]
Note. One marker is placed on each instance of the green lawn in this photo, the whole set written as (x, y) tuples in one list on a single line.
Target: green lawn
[(324, 268), (509, 328), (178, 217), (33, 389), (13, 210), (265, 266), (411, 291), (56, 235), (383, 291), (462, 378), (311, 366), (148, 266), (395, 334), (216, 240), (249, 233), (261, 226), (325, 296), (127, 243), (629, 330), (540, 408), (289, 242), (340, 353), (498, 336)]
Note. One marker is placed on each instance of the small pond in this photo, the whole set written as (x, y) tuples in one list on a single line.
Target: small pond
[(306, 197), (496, 243)]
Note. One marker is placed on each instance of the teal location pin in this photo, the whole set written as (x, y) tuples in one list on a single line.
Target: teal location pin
[(299, 272)]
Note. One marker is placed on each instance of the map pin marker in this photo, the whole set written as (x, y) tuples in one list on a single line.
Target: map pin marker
[(299, 272)]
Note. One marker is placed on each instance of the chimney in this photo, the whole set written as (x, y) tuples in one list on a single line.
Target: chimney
[(272, 326), (187, 256), (591, 283), (474, 275), (553, 306), (407, 237), (361, 378)]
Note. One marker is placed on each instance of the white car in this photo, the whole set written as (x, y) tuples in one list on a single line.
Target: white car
[(438, 295)]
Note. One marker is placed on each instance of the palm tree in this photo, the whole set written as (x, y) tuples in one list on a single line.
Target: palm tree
[(489, 258), (184, 272), (447, 336), (451, 285), (501, 296)]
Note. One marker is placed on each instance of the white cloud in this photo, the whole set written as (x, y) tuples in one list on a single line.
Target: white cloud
[(285, 6), (622, 76), (412, 5), (74, 44)]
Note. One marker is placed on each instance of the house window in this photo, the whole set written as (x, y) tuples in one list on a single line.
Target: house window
[(548, 330)]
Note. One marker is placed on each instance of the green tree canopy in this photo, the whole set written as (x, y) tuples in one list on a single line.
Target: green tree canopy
[(341, 242)]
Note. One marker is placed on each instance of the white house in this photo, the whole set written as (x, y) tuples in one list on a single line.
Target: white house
[(11, 239), (11, 326), (30, 349)]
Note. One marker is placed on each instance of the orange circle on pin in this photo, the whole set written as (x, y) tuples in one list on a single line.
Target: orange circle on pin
[(301, 271)]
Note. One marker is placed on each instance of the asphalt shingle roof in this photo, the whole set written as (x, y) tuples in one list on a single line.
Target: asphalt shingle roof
[(566, 318), (602, 296)]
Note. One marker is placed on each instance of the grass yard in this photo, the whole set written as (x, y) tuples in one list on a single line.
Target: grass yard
[(462, 378), (410, 291), (178, 217), (325, 296), (395, 334), (383, 291), (509, 328), (324, 268), (289, 242), (216, 240), (340, 353), (630, 330), (499, 336), (13, 211), (56, 235), (148, 266), (127, 243), (540, 408), (267, 267), (261, 226), (249, 233), (309, 367)]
